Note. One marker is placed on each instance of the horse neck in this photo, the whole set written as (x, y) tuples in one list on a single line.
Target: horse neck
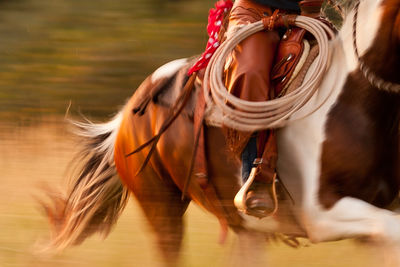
[(367, 28), (377, 43)]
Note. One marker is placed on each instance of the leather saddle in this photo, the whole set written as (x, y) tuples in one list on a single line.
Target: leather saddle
[(293, 47)]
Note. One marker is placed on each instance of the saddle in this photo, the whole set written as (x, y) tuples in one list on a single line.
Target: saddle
[(291, 48), (294, 49)]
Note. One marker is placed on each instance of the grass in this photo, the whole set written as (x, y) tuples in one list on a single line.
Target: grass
[(53, 52)]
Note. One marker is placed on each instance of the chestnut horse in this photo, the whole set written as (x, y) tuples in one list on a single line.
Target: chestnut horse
[(340, 163)]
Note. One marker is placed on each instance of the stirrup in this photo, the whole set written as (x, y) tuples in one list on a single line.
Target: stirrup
[(240, 198)]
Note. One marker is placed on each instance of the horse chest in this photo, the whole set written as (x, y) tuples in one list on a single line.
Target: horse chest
[(360, 153)]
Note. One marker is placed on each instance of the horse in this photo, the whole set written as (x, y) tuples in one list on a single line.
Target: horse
[(338, 159)]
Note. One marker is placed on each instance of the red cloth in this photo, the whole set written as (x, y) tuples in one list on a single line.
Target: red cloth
[(215, 21)]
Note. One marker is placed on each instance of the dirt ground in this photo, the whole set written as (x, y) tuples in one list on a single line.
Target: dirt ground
[(31, 155)]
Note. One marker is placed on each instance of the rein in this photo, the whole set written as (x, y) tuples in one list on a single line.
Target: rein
[(372, 78), (253, 116)]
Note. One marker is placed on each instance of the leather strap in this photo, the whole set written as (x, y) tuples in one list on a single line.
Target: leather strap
[(311, 8), (198, 162), (279, 21), (262, 139)]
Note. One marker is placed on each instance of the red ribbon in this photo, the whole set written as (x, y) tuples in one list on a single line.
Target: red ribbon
[(215, 21)]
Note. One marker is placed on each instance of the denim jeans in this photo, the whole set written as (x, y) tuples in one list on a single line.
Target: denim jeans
[(248, 155)]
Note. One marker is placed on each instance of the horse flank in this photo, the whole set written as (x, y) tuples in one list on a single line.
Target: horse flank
[(96, 196)]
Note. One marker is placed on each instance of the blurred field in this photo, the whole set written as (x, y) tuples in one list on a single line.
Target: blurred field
[(90, 53), (36, 154)]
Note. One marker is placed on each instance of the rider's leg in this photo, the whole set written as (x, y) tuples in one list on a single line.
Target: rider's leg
[(248, 156), (248, 76)]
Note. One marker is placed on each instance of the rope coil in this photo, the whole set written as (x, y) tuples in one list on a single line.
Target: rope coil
[(245, 115)]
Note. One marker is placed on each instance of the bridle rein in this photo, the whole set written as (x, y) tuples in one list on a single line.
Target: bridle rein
[(373, 79)]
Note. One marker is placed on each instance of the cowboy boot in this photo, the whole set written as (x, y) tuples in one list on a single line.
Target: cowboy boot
[(261, 198)]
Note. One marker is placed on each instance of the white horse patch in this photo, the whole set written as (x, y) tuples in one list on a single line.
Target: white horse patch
[(168, 69)]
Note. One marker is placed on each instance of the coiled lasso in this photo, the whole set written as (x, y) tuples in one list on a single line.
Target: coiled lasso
[(245, 115)]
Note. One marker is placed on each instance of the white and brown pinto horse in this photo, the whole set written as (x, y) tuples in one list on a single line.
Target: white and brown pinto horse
[(340, 163)]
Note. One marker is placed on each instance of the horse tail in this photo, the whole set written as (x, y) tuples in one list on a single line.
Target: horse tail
[(96, 196)]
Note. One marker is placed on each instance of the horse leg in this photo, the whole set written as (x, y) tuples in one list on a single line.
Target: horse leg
[(249, 249), (161, 203), (351, 217), (153, 187)]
